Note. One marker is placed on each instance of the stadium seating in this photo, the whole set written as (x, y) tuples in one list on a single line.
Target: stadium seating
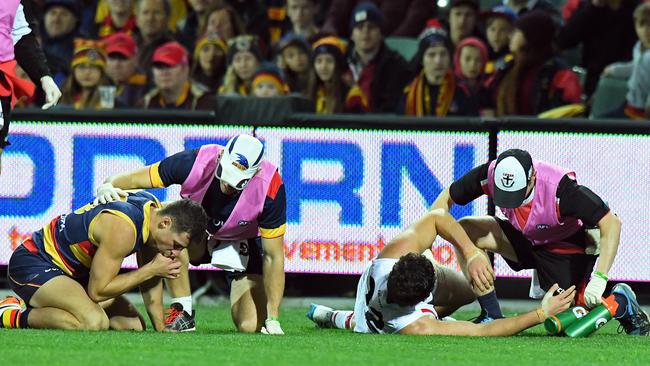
[(609, 94)]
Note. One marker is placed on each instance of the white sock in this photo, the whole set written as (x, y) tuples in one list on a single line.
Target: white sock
[(343, 319), (186, 301)]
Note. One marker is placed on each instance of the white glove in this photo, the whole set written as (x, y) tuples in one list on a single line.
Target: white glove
[(272, 326), (107, 193), (594, 291), (52, 92)]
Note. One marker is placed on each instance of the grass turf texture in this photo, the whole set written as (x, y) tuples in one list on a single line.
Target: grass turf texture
[(216, 343)]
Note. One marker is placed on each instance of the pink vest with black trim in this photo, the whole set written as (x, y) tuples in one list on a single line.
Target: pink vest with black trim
[(543, 225), (8, 10), (242, 222)]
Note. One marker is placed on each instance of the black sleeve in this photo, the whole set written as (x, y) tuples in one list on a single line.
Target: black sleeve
[(176, 168), (469, 186), (580, 202), (28, 52)]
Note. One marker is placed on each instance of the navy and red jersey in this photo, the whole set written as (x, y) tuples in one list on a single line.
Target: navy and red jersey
[(68, 241), (176, 168)]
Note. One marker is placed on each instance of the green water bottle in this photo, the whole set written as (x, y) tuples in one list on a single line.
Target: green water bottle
[(596, 318), (557, 324)]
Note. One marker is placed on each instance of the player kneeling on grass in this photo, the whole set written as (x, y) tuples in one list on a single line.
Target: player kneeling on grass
[(402, 292), (68, 273)]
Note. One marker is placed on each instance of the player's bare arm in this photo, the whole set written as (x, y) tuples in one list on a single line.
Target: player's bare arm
[(116, 238), (421, 235), (610, 236), (551, 305), (152, 291), (273, 269), (136, 179)]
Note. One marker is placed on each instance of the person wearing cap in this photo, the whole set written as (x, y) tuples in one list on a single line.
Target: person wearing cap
[(59, 28), (172, 86), (605, 30), (122, 69), (405, 18), (499, 26), (293, 53), (120, 18), (436, 90), (244, 58), (327, 89), (209, 63), (378, 73), (244, 197), (88, 73), (547, 225), (268, 81), (535, 80), (462, 20), (19, 46)]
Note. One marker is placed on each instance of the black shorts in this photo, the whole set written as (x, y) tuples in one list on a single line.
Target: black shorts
[(255, 258), (563, 269)]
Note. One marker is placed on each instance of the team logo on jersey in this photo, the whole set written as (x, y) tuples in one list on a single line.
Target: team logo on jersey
[(507, 179), (542, 227), (241, 162), (243, 222)]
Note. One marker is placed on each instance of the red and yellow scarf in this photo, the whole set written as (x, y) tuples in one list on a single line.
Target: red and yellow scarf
[(418, 96)]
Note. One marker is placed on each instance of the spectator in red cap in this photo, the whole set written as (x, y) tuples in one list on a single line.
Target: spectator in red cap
[(379, 73), (535, 80), (436, 91), (120, 18), (209, 63), (327, 89), (88, 65), (243, 60), (122, 69), (605, 29), (171, 76), (499, 25)]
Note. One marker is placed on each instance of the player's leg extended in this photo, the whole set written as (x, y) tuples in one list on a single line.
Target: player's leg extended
[(122, 315), (248, 302), (62, 303)]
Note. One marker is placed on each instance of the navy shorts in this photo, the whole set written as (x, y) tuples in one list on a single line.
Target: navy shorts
[(29, 271)]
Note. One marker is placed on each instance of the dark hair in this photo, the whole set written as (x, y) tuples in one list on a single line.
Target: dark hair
[(411, 280), (339, 88), (167, 7), (187, 217)]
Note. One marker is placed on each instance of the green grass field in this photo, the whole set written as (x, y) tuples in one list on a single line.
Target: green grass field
[(215, 343)]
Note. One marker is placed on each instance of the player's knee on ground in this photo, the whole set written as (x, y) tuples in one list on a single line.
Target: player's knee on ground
[(247, 326), (94, 320)]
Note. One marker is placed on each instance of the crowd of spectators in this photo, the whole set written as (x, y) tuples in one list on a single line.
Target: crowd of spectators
[(470, 61)]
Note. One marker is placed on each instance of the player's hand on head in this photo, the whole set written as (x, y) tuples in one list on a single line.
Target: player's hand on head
[(52, 92), (107, 193), (162, 266), (480, 271), (272, 327), (556, 303)]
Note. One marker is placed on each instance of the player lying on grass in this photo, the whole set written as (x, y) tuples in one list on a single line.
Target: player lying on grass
[(400, 290), (68, 273)]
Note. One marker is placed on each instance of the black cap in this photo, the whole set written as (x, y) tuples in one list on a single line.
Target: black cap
[(512, 173)]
